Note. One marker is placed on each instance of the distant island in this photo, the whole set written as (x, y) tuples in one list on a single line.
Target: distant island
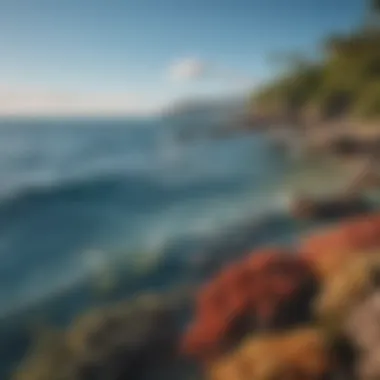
[(206, 118)]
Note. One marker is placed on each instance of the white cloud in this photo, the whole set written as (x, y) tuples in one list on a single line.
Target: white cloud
[(187, 69), (30, 102), (190, 69)]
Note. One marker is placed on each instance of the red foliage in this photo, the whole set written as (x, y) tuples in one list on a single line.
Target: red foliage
[(354, 236), (260, 291)]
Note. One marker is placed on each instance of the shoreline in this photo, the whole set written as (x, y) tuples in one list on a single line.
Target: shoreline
[(315, 131)]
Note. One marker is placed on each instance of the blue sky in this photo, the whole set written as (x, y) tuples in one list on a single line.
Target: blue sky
[(131, 55)]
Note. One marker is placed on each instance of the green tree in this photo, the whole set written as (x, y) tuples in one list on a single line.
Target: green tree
[(375, 5), (373, 18), (341, 84)]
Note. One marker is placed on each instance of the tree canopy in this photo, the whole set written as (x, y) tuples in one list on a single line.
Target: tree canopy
[(345, 83)]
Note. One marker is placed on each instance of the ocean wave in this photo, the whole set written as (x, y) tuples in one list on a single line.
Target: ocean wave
[(185, 256), (139, 209), (127, 188)]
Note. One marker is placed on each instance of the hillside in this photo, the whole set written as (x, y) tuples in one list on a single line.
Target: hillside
[(344, 83)]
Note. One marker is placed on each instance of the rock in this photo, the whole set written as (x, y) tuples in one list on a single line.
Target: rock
[(130, 340), (327, 250), (349, 306), (299, 354), (328, 209), (362, 326), (354, 146), (345, 288), (269, 289), (362, 323), (347, 146), (49, 359)]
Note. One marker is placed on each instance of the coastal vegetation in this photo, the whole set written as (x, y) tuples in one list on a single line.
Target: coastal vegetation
[(343, 83)]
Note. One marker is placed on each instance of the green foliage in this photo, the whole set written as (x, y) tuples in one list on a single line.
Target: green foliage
[(368, 105), (344, 84), (375, 5)]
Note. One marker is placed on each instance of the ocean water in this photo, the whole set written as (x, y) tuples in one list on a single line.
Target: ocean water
[(96, 210), (77, 194)]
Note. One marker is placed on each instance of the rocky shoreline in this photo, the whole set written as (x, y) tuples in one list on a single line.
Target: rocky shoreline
[(251, 319), (248, 314)]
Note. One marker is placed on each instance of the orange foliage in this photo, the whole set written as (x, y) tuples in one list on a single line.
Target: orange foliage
[(259, 292)]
